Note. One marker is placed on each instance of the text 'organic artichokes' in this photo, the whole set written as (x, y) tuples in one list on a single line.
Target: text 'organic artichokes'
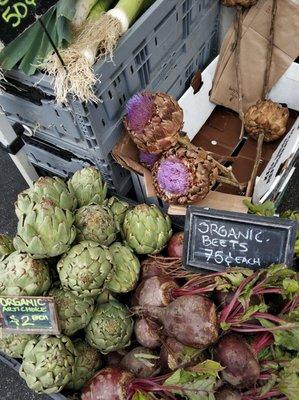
[(48, 363), (74, 313), (14, 345), (110, 328), (88, 361), (45, 231), (53, 189), (88, 187), (21, 275), (85, 269), (126, 269), (146, 229), (96, 223)]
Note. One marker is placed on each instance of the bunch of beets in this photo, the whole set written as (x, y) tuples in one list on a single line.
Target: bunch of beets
[(232, 335)]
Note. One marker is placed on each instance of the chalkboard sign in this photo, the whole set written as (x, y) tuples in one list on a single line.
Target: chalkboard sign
[(215, 240), (16, 16), (31, 315)]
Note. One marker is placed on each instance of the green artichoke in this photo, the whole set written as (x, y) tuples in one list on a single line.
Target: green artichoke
[(48, 363), (88, 361), (110, 328), (6, 246), (45, 231), (104, 297), (21, 275), (146, 229), (96, 223), (119, 209), (53, 189), (14, 345), (88, 187), (74, 313), (126, 269), (85, 269)]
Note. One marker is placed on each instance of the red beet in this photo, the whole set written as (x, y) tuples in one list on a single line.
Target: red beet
[(108, 384), (114, 358), (222, 299), (150, 268), (155, 291), (227, 394), (147, 333), (176, 355), (242, 369), (175, 245), (141, 362), (192, 320)]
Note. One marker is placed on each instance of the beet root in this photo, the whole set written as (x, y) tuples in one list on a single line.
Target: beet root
[(175, 245), (108, 384), (227, 394), (192, 320), (114, 358), (155, 291), (147, 333), (242, 369), (150, 268), (141, 362), (174, 355)]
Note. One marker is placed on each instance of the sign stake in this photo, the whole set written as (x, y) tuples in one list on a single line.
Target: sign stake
[(52, 43)]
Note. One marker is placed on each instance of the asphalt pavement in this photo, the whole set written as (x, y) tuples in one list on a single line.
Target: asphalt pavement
[(11, 183)]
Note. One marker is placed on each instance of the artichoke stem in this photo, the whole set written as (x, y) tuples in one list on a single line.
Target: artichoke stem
[(259, 149)]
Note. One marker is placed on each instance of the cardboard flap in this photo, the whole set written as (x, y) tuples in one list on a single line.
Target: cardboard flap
[(216, 200), (126, 154), (279, 166), (255, 34)]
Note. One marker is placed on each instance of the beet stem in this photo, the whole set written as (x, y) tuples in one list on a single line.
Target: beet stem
[(261, 342), (228, 309)]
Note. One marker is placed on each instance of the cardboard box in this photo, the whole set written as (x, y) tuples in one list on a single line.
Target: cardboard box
[(217, 129)]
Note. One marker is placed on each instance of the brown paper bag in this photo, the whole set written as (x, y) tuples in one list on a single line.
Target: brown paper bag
[(255, 34)]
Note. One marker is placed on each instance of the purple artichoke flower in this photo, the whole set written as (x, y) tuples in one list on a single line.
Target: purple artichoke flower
[(173, 177), (148, 159), (140, 109)]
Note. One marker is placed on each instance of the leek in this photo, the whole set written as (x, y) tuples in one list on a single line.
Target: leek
[(77, 59), (99, 35), (33, 46), (83, 8)]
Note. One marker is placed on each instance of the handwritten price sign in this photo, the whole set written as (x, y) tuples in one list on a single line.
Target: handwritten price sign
[(216, 240), (32, 315), (17, 16)]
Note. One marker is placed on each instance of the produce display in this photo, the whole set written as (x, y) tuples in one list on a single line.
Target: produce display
[(135, 325)]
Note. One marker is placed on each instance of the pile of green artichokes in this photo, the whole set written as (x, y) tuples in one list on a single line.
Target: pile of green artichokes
[(79, 247)]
